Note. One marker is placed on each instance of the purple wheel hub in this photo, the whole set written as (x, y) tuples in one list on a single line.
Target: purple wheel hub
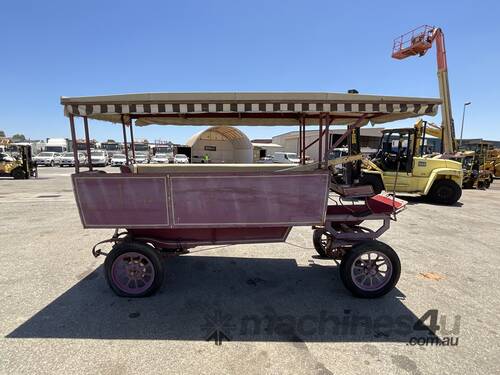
[(133, 273)]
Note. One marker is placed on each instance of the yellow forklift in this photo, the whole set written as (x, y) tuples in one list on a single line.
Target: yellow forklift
[(401, 166), (19, 163)]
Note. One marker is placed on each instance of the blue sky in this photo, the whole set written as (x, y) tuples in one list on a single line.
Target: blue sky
[(55, 48)]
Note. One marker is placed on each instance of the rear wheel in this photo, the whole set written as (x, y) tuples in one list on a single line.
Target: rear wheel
[(487, 183), (18, 174), (374, 180), (370, 269), (445, 192), (133, 269)]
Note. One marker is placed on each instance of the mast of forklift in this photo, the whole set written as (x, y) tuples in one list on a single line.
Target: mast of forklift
[(444, 91)]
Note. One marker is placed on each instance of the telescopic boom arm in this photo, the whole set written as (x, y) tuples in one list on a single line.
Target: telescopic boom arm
[(418, 42)]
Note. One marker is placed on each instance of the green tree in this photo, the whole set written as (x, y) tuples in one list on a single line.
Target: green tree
[(2, 134)]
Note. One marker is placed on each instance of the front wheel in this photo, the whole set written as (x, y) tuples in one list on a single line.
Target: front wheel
[(370, 269), (18, 174), (133, 269), (323, 242), (445, 192)]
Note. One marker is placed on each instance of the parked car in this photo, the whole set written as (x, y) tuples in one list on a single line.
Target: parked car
[(286, 157), (141, 157), (46, 158), (99, 158), (161, 158), (265, 160), (181, 159), (67, 158), (118, 159)]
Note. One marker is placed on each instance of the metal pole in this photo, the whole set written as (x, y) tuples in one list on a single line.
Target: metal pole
[(132, 144), (125, 141), (348, 166), (463, 119), (300, 142), (327, 138), (320, 139), (304, 140), (73, 141), (87, 142)]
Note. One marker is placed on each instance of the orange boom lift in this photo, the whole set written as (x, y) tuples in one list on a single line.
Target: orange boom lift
[(416, 43)]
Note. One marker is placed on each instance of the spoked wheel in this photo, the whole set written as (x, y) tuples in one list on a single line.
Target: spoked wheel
[(370, 269), (323, 242), (133, 269)]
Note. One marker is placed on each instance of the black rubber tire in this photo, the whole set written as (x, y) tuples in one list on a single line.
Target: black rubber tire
[(318, 245), (445, 191), (145, 250), (351, 256), (374, 180), (18, 174), (468, 185), (487, 184)]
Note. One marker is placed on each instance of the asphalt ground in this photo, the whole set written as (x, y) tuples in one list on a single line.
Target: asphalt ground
[(273, 308)]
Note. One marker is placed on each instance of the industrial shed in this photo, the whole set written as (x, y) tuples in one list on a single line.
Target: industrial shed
[(222, 144)]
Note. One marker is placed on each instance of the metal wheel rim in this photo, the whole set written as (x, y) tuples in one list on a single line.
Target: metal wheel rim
[(325, 241), (133, 272), (371, 270)]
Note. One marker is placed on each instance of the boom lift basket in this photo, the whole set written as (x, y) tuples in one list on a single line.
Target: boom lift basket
[(415, 42)]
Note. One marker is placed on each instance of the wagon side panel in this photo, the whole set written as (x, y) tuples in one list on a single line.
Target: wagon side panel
[(122, 201), (248, 200)]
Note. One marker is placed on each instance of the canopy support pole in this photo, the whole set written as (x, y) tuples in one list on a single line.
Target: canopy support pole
[(301, 143), (87, 142), (73, 141), (132, 144), (125, 141), (327, 138), (320, 140), (304, 139)]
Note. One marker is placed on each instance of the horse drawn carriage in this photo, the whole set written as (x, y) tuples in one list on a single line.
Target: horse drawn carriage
[(167, 209)]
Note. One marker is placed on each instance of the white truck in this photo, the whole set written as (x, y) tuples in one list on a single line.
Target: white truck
[(286, 157), (58, 145)]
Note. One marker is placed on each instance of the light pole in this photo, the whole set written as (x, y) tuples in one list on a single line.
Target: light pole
[(463, 118)]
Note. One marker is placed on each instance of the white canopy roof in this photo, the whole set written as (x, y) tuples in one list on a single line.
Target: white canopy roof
[(265, 108)]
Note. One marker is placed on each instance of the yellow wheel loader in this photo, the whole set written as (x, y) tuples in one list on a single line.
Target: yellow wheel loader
[(474, 175)]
